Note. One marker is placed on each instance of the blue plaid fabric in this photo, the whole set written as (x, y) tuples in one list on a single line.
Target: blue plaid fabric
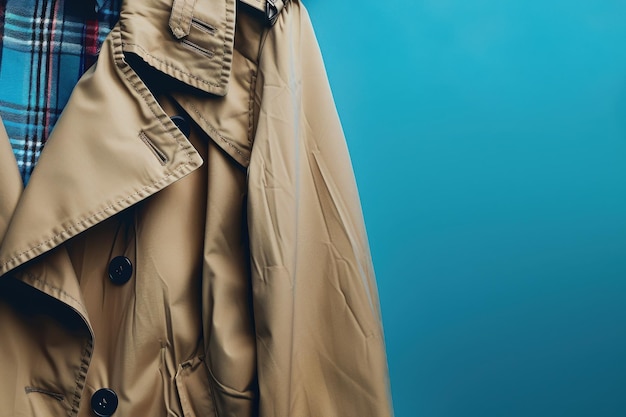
[(45, 46)]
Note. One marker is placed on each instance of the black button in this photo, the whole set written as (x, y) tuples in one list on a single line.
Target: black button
[(182, 124), (104, 402), (120, 270)]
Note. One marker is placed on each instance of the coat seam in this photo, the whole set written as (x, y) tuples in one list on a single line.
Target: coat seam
[(170, 65), (213, 391), (231, 37), (251, 105), (181, 12), (253, 88), (81, 376), (46, 284), (35, 390), (216, 133), (88, 219), (178, 12)]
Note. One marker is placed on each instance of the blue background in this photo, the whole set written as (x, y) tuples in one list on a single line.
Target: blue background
[(488, 139)]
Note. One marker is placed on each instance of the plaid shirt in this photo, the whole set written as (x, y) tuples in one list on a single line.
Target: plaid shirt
[(45, 46)]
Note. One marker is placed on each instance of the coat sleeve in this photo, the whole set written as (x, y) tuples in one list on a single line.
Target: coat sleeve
[(320, 346)]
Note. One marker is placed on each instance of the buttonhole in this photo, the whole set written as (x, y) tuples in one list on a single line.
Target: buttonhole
[(204, 27), (156, 151), (197, 48)]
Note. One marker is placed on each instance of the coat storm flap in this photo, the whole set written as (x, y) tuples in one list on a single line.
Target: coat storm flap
[(210, 264)]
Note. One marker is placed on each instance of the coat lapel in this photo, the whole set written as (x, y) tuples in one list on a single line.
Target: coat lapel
[(112, 147)]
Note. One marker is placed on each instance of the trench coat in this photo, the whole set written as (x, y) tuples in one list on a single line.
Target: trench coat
[(191, 241)]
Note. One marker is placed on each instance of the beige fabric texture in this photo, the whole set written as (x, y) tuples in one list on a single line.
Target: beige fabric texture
[(253, 292)]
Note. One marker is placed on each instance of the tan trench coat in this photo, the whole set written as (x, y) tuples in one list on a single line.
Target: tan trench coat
[(247, 284)]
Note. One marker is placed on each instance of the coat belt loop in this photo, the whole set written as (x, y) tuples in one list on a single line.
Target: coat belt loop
[(273, 9), (180, 19)]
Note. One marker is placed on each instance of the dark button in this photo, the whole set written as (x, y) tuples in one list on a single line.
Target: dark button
[(104, 402), (120, 270), (182, 124)]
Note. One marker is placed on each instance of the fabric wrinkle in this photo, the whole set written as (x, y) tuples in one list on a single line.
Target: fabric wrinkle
[(191, 242)]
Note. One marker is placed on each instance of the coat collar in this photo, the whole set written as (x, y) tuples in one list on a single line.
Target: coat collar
[(196, 50), (113, 146)]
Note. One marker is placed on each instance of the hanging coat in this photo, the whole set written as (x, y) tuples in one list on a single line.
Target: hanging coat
[(191, 241)]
